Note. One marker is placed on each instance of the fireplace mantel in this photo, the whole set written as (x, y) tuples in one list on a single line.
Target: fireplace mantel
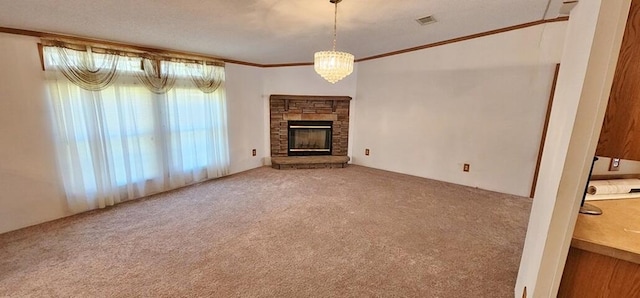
[(287, 98)]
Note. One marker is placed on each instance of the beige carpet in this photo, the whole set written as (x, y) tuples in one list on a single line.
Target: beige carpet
[(354, 232)]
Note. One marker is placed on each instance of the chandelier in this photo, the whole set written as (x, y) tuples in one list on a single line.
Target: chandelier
[(333, 66)]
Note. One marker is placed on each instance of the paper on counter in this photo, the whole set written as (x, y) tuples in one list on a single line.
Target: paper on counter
[(614, 186)]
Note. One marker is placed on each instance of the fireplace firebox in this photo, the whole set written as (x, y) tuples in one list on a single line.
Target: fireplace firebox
[(310, 138)]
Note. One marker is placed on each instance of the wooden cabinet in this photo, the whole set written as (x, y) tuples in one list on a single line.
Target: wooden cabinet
[(620, 136), (604, 259), (587, 274)]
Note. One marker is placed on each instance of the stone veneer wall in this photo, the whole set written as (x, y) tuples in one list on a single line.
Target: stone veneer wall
[(312, 108)]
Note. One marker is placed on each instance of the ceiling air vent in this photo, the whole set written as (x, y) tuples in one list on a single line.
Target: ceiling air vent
[(426, 20)]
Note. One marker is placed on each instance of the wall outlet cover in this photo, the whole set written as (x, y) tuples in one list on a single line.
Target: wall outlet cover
[(615, 164)]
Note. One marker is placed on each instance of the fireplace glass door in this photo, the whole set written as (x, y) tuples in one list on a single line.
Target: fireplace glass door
[(309, 138)]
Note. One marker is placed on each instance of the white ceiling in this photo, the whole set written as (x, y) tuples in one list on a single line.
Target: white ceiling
[(271, 31)]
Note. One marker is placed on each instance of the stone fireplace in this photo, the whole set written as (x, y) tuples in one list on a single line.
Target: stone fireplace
[(309, 131)]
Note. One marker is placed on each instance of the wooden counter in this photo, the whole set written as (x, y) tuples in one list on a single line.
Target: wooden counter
[(604, 259), (615, 233)]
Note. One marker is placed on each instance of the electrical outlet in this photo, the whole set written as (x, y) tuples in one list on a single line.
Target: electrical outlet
[(466, 167), (254, 152), (614, 165), (366, 152)]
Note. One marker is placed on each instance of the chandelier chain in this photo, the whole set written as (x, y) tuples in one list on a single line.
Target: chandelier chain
[(335, 25)]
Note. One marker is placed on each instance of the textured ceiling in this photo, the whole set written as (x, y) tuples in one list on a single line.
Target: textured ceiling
[(271, 31)]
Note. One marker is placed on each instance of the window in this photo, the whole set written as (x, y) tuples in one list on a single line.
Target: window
[(125, 141)]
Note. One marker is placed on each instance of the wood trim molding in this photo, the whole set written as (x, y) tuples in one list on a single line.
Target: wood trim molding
[(463, 38), (287, 64), (161, 51), (544, 132)]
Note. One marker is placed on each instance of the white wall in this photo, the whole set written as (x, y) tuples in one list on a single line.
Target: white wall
[(246, 112), (303, 80), (29, 188), (481, 101), (589, 58)]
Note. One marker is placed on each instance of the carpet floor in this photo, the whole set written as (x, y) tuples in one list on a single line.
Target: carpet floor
[(353, 232)]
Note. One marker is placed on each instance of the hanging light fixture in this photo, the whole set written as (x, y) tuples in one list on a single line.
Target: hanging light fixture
[(333, 66)]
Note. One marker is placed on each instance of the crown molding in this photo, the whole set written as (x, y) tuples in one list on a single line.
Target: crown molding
[(42, 34)]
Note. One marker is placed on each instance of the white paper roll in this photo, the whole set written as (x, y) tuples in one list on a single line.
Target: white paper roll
[(614, 186)]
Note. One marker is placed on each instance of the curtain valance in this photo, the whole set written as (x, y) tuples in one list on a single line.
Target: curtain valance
[(207, 79), (156, 78), (81, 67), (95, 67)]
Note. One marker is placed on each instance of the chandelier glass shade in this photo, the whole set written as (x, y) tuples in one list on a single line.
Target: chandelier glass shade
[(332, 65)]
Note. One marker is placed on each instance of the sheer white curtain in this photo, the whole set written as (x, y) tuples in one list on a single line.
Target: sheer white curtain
[(126, 142), (194, 123)]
